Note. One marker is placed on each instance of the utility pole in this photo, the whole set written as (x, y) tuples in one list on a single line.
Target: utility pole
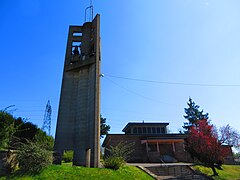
[(47, 118)]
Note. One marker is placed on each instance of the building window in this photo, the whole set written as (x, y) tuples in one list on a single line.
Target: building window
[(153, 130), (140, 130), (128, 131), (163, 130), (135, 130), (149, 130), (158, 130), (144, 130)]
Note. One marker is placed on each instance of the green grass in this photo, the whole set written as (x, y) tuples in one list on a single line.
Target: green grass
[(73, 172), (229, 172)]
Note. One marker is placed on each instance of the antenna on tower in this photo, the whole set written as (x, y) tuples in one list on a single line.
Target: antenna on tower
[(90, 10), (47, 118)]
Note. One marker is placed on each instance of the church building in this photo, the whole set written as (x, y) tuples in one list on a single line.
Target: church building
[(152, 143)]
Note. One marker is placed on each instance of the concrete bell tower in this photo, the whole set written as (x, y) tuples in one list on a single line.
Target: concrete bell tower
[(78, 123)]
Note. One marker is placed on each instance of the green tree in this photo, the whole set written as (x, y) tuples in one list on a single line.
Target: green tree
[(24, 131), (15, 131), (7, 128), (193, 114), (27, 131), (45, 140), (104, 128)]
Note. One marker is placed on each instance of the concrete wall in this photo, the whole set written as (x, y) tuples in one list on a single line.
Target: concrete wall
[(78, 124)]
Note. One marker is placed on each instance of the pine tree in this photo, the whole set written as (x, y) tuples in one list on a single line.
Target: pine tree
[(193, 114), (104, 128)]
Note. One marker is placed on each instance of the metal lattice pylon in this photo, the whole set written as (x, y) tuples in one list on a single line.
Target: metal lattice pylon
[(47, 118)]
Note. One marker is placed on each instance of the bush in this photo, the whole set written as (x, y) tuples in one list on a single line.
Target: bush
[(32, 157), (122, 150), (10, 161), (118, 155), (113, 162), (67, 156), (42, 138)]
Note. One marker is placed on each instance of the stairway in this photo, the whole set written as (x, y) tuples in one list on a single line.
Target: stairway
[(176, 172)]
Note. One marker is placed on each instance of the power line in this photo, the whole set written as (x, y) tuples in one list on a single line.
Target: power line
[(126, 111), (174, 83), (30, 111), (133, 92)]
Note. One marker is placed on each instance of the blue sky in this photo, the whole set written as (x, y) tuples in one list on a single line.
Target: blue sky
[(182, 41)]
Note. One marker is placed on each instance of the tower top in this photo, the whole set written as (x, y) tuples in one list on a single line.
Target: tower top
[(89, 11)]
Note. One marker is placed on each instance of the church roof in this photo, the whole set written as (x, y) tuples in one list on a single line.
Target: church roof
[(143, 124)]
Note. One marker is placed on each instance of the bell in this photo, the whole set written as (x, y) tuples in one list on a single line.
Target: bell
[(75, 51)]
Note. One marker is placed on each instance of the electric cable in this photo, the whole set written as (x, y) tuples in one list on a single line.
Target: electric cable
[(174, 83), (133, 92)]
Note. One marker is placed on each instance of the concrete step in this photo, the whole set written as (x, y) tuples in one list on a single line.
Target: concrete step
[(176, 172)]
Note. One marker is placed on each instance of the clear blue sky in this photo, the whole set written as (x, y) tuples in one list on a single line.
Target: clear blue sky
[(183, 41)]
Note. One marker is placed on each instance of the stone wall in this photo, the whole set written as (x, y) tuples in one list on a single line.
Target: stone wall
[(3, 154), (8, 161)]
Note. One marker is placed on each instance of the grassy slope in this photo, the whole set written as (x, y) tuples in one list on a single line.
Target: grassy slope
[(68, 172), (228, 172)]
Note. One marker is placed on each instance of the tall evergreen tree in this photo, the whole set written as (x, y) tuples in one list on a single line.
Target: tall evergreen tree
[(104, 128), (193, 114)]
